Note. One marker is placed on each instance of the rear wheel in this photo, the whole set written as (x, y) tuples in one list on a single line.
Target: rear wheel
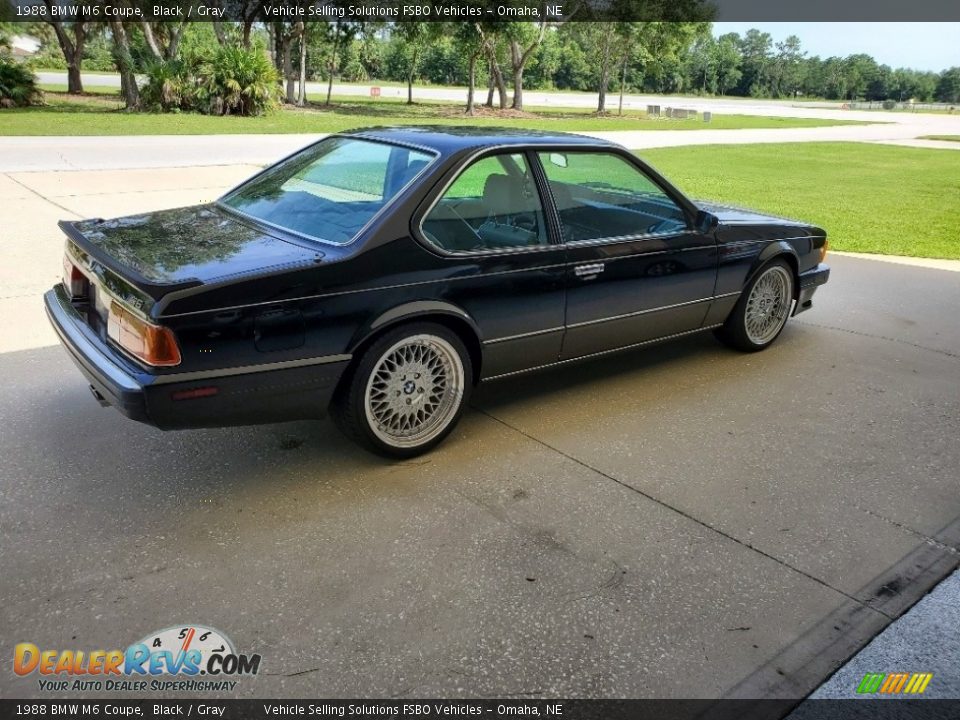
[(762, 311), (407, 391)]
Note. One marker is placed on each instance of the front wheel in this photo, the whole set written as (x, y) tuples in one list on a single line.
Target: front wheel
[(762, 311), (407, 391)]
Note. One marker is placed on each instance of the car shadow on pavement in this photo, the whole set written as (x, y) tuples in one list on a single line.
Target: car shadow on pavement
[(674, 357)]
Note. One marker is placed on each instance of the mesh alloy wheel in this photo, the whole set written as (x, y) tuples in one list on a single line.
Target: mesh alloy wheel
[(768, 305), (406, 390), (414, 391), (763, 309)]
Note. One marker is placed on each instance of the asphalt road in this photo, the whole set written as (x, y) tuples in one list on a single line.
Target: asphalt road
[(30, 154), (925, 640), (63, 153), (681, 521), (533, 98)]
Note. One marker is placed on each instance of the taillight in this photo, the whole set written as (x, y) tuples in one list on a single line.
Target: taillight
[(153, 344), (823, 250), (74, 281)]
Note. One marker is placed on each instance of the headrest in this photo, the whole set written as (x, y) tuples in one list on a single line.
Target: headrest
[(501, 195), (410, 172)]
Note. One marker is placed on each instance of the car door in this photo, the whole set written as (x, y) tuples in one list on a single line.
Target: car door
[(637, 270), (490, 233)]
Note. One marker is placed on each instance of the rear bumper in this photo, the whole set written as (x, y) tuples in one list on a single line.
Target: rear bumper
[(809, 282), (242, 398), (108, 377)]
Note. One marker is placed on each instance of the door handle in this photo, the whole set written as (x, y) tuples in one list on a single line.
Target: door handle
[(589, 270)]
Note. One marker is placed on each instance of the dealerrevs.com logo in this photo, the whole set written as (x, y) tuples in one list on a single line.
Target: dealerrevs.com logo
[(194, 656)]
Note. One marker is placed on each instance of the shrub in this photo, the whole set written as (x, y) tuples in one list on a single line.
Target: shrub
[(213, 80), (234, 81), (98, 55), (168, 86), (889, 104), (17, 85), (48, 57)]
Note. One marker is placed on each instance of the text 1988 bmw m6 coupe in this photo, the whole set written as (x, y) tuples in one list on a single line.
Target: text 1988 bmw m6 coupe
[(382, 273)]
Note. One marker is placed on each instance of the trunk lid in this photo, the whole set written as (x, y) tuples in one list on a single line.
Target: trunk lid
[(161, 251), (136, 261)]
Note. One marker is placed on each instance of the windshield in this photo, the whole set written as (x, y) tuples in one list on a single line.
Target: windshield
[(330, 190)]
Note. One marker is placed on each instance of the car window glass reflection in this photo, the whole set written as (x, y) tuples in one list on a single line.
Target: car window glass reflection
[(492, 205), (601, 195), (330, 190)]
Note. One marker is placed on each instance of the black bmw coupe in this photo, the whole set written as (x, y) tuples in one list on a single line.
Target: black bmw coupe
[(380, 274)]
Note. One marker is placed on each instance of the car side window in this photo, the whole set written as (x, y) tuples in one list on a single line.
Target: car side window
[(601, 195), (330, 190), (492, 205)]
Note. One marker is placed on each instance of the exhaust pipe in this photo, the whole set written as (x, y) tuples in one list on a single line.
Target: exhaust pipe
[(98, 397)]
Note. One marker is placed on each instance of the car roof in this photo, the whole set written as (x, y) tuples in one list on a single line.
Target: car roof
[(449, 139)]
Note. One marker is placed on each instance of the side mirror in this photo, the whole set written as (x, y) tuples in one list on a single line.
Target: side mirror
[(706, 221), (558, 159)]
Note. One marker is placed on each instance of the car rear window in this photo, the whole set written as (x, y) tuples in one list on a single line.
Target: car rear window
[(330, 190)]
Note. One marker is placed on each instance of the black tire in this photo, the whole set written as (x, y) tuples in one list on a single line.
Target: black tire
[(357, 418), (736, 332)]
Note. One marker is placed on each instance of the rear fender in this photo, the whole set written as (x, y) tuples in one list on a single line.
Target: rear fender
[(458, 320), (414, 310)]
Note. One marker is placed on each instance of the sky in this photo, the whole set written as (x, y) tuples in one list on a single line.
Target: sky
[(923, 46)]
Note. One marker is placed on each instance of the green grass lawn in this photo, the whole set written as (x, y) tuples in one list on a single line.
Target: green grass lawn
[(869, 198), (100, 113), (947, 138), (61, 89)]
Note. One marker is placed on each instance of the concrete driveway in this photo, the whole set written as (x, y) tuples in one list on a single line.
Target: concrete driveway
[(684, 521)]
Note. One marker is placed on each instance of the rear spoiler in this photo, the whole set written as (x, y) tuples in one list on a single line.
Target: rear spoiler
[(150, 287)]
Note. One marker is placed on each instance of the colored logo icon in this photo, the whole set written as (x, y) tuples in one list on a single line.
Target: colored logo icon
[(894, 683)]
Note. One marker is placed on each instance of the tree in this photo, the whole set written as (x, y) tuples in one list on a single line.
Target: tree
[(617, 44), (786, 68), (815, 77), (835, 80), (302, 73), (908, 84), (880, 87), (629, 48), (124, 62), (727, 59), (7, 31), (574, 66), (72, 36), (163, 38), (414, 37), (948, 87), (523, 38), (285, 34), (370, 48), (859, 70), (489, 37), (702, 62), (468, 40), (249, 12), (336, 34), (597, 36), (756, 48)]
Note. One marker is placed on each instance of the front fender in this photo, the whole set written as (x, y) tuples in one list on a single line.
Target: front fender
[(778, 248)]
